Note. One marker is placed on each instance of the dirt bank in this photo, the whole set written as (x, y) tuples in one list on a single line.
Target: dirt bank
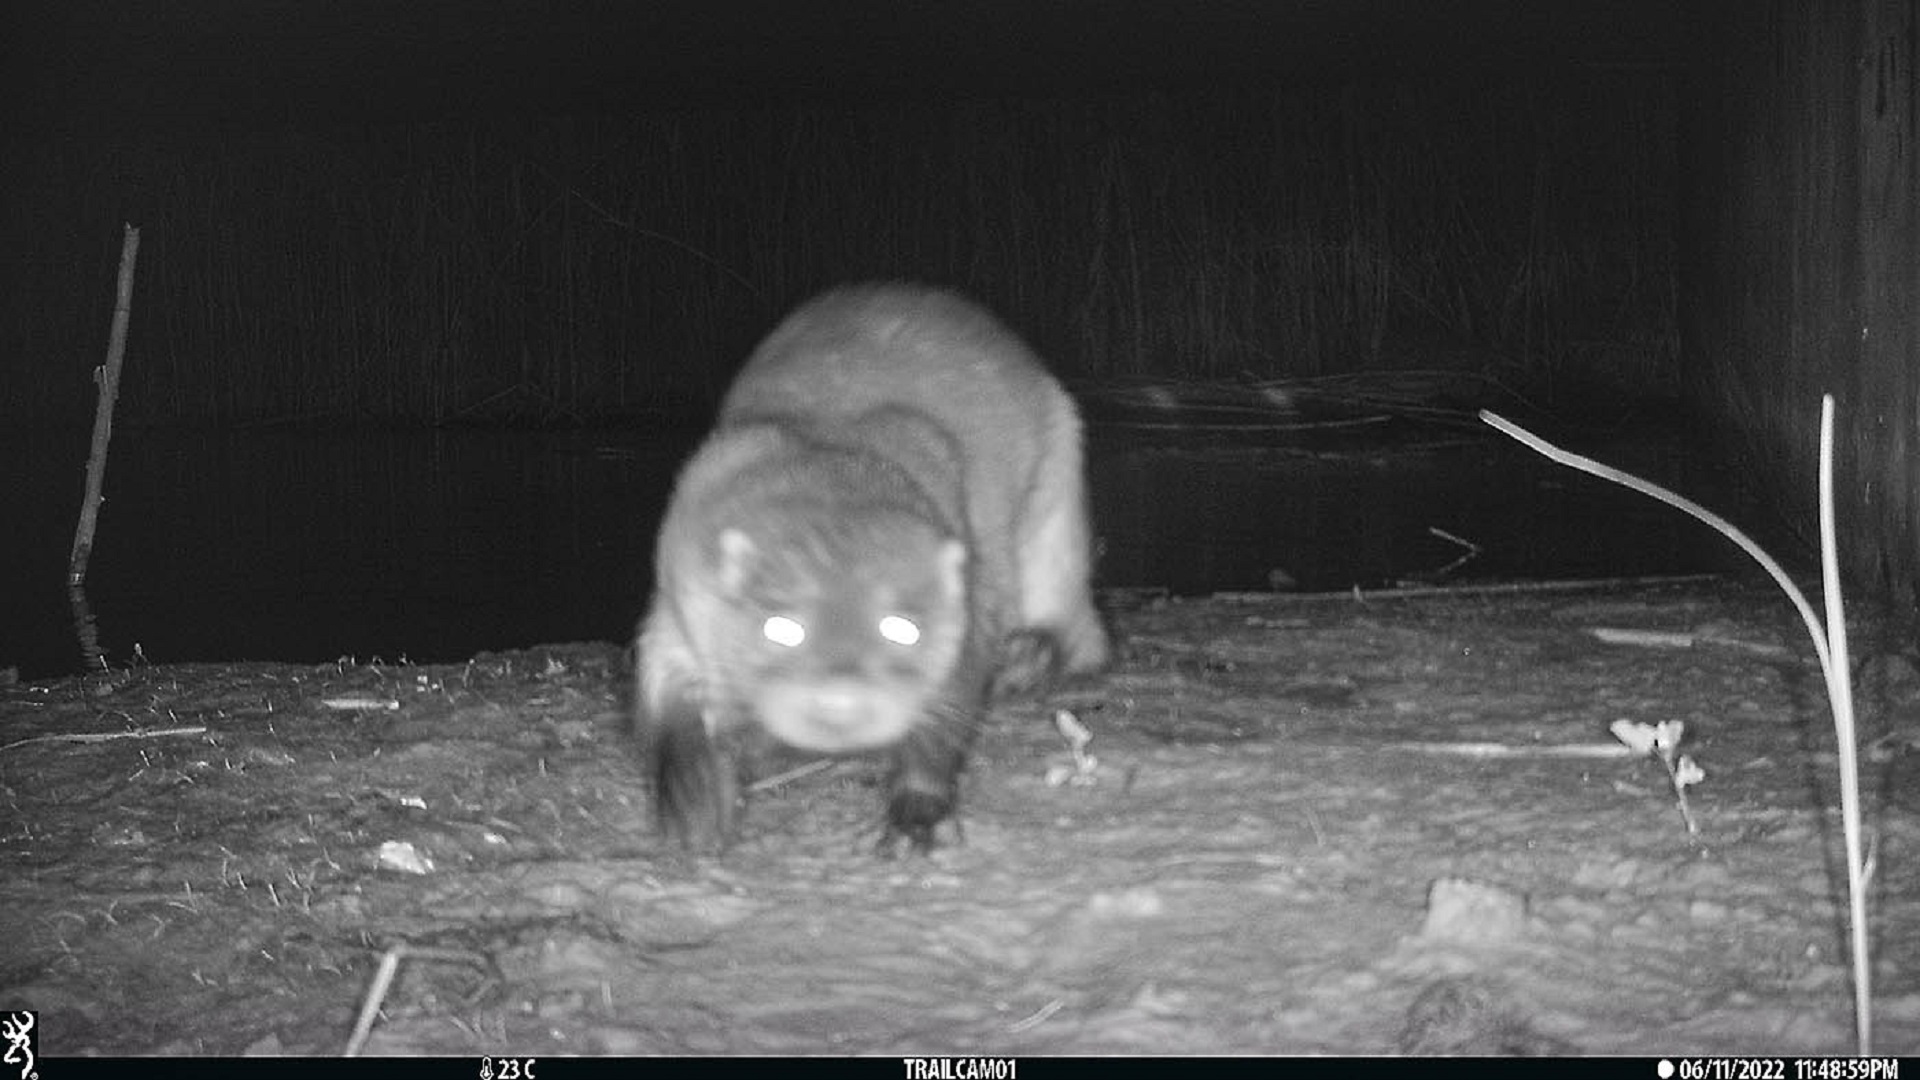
[(1249, 863)]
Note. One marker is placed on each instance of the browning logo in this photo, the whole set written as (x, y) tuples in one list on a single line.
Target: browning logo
[(19, 1032)]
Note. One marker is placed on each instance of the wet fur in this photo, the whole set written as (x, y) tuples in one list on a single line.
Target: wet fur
[(886, 447)]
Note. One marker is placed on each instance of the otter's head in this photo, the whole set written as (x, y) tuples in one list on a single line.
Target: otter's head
[(843, 634)]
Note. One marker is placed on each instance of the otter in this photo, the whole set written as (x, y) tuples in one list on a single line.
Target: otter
[(886, 528)]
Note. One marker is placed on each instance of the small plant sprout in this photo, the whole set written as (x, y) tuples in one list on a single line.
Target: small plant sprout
[(1662, 740), (1082, 772)]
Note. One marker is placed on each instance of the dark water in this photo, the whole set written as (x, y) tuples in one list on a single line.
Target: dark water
[(308, 547)]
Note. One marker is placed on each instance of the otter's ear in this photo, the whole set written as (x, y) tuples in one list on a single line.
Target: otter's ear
[(953, 572), (736, 561)]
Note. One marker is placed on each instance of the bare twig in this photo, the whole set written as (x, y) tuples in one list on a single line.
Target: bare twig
[(108, 376)]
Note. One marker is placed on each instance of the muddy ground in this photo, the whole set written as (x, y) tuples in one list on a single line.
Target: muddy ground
[(1306, 820)]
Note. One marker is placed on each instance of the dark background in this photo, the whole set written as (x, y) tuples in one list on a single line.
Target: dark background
[(282, 61), (422, 214), (362, 222)]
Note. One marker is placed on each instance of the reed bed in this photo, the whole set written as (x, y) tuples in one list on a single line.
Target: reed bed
[(579, 270)]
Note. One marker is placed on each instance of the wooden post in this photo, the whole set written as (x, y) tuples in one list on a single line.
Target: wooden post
[(107, 377)]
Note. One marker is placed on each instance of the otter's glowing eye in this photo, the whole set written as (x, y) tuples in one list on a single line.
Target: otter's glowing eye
[(784, 631), (899, 630)]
